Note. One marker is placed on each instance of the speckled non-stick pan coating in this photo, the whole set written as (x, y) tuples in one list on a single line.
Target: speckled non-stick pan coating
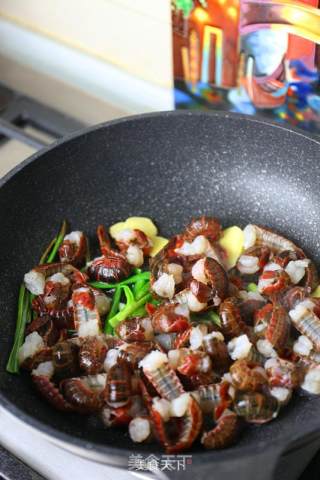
[(170, 167)]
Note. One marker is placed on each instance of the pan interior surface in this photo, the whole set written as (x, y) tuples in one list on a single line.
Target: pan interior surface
[(170, 167)]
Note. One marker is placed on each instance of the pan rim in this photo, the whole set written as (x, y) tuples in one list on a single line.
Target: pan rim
[(132, 118), (57, 436)]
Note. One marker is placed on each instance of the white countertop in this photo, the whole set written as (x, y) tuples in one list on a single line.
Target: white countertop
[(50, 461)]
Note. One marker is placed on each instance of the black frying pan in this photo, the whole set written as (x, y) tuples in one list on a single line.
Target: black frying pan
[(169, 166)]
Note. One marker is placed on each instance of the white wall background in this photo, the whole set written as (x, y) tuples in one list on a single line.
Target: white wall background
[(117, 50)]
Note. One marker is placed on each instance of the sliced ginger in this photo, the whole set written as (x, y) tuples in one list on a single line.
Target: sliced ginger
[(232, 241), (144, 224)]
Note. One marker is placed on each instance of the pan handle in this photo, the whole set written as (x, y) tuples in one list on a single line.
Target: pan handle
[(15, 133)]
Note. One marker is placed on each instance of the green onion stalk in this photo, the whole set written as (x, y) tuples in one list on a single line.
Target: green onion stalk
[(25, 298)]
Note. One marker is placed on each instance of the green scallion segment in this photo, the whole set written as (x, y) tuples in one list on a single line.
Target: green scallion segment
[(214, 317), (23, 315), (143, 291), (113, 310), (58, 242), (128, 310), (252, 287), (47, 251)]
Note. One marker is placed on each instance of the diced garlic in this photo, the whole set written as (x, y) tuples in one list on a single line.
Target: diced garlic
[(199, 246), (243, 294), (111, 359), (272, 267), (303, 346), (183, 310), (297, 269), (103, 303), (162, 406), (301, 309), (194, 304), (89, 328), (311, 382), (249, 236), (59, 278), (198, 271), (260, 327), (96, 382), (126, 236), (282, 394), (248, 264), (176, 270), (196, 336), (226, 377), (148, 328), (239, 347), (165, 340), (134, 256), (272, 362), (266, 349), (153, 360), (205, 364), (173, 358), (45, 369), (214, 335), (256, 296), (74, 237), (179, 405), (164, 286), (263, 283), (35, 282), (49, 299), (139, 429), (33, 343)]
